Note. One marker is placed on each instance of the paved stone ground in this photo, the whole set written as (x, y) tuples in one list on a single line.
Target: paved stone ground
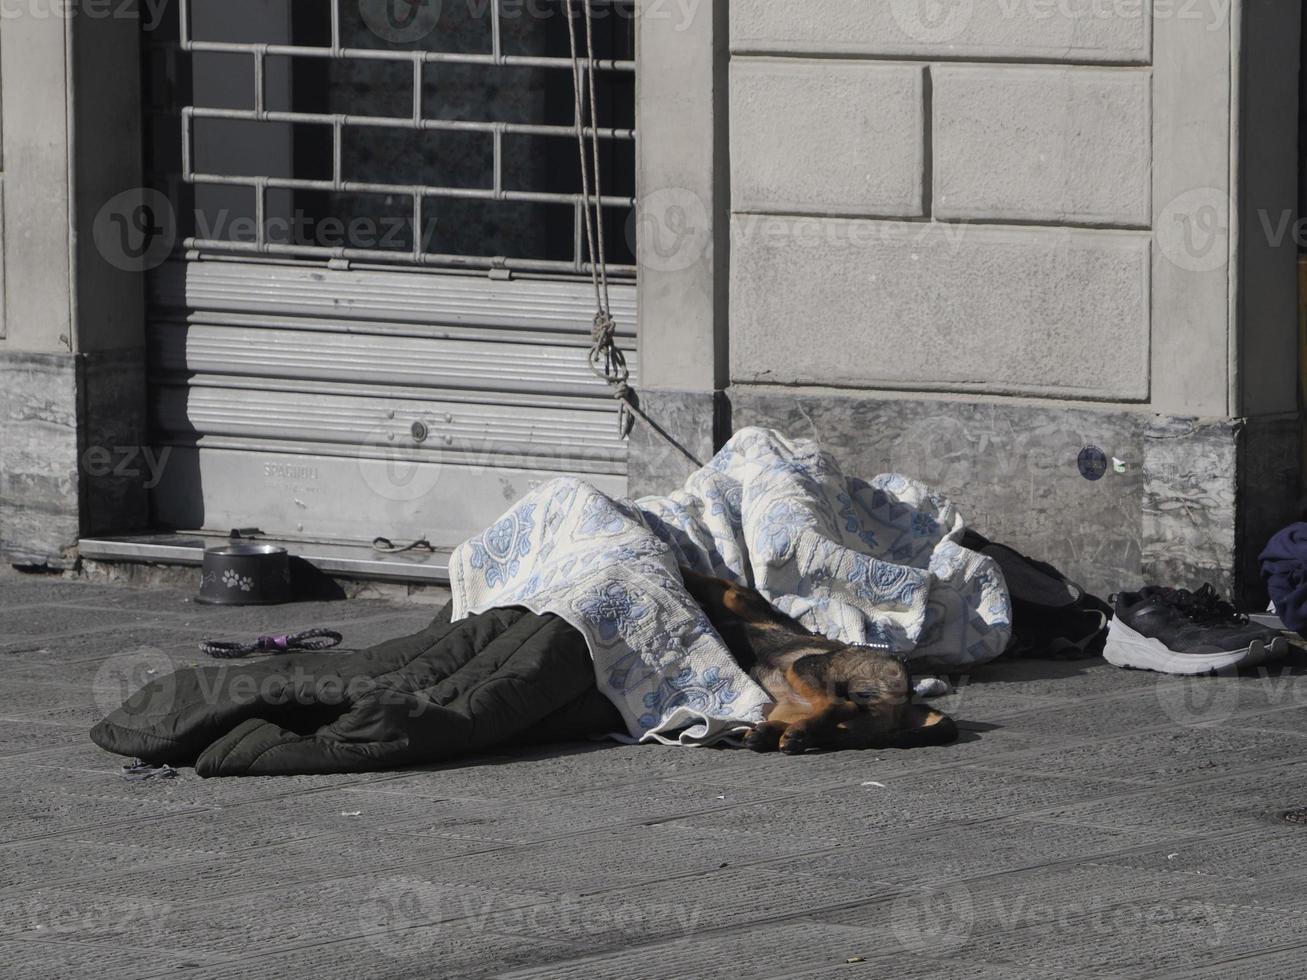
[(1092, 822)]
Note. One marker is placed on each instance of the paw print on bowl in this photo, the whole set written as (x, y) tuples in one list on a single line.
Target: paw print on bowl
[(234, 581)]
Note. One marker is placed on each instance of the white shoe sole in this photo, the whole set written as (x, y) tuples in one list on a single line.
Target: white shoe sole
[(1128, 648)]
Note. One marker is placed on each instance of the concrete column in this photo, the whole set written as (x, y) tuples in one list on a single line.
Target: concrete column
[(72, 366), (682, 241)]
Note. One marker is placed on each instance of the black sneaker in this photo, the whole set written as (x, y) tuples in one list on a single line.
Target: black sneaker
[(1175, 631)]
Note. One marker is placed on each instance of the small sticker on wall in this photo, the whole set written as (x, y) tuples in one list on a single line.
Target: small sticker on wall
[(1092, 463)]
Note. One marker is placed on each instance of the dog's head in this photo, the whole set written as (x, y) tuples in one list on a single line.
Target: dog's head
[(882, 688), (759, 635)]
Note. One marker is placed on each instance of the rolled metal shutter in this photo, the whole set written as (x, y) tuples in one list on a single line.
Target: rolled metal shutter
[(335, 392), (339, 405)]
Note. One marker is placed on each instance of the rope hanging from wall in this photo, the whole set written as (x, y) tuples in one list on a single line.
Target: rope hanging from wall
[(607, 360)]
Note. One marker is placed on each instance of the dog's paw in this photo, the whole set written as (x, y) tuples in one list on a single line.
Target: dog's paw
[(795, 741), (765, 738)]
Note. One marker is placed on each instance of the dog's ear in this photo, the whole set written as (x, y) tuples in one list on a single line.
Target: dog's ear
[(721, 599), (708, 592)]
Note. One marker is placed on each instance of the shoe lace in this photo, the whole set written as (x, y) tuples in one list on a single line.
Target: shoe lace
[(1204, 607)]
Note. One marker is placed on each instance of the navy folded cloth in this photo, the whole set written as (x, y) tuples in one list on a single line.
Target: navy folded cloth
[(1284, 568)]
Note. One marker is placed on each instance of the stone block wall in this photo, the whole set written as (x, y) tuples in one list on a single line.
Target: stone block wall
[(970, 240), (963, 225)]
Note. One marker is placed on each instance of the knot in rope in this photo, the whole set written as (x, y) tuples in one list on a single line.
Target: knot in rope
[(604, 331), (606, 357)]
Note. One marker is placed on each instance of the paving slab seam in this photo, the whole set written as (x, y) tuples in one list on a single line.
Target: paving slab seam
[(190, 811), (421, 864), (605, 786), (706, 935), (831, 786), (1043, 702), (42, 723), (1266, 881), (104, 880), (894, 962), (1161, 785), (1217, 834), (125, 822), (281, 951), (998, 874), (356, 784), (961, 826), (1222, 965), (964, 766), (1019, 755), (561, 962), (215, 959), (1039, 703), (1107, 906)]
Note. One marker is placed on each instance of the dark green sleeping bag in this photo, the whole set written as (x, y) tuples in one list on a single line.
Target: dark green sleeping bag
[(506, 677)]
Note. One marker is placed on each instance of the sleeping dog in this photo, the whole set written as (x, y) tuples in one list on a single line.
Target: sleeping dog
[(828, 695)]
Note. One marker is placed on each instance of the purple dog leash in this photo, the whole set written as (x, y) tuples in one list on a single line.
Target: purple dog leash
[(316, 639)]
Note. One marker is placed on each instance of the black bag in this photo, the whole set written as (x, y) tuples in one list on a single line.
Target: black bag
[(1053, 618)]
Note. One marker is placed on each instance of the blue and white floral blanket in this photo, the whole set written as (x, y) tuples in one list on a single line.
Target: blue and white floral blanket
[(875, 563)]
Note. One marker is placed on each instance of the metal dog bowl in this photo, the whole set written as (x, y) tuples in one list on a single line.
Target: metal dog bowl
[(242, 574)]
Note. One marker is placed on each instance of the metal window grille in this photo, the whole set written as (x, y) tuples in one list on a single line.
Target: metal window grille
[(340, 125)]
